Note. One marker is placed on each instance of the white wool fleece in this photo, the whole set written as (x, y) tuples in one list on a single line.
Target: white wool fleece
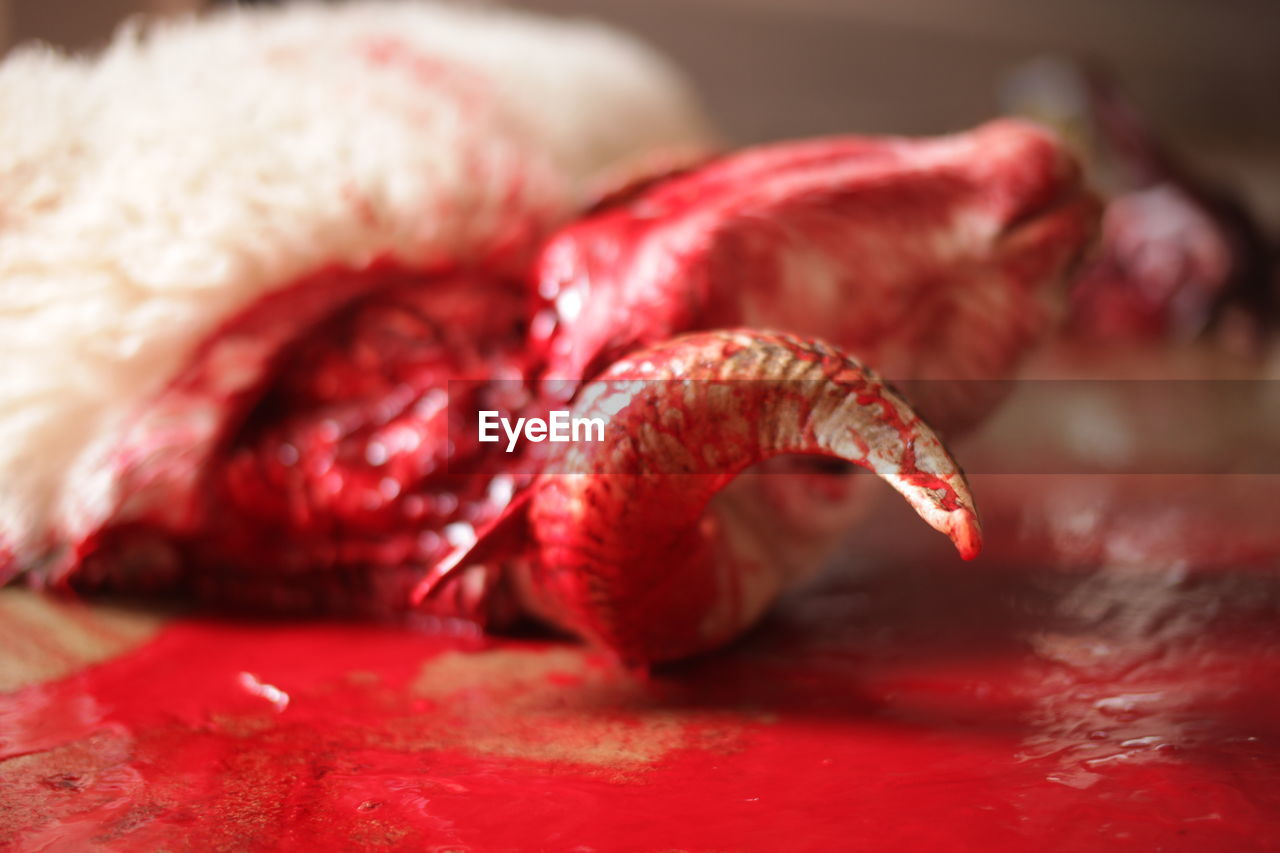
[(151, 192)]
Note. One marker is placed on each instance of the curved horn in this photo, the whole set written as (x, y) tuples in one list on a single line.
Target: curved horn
[(626, 551)]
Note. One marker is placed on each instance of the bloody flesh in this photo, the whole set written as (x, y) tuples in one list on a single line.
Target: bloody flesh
[(317, 472)]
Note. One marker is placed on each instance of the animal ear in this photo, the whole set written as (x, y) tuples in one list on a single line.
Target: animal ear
[(502, 538)]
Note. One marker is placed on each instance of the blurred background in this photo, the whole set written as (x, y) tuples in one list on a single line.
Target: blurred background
[(1205, 72)]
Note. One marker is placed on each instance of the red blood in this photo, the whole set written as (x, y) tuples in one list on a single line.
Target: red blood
[(1006, 706)]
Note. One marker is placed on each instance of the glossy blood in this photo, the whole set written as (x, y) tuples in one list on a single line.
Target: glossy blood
[(1019, 704)]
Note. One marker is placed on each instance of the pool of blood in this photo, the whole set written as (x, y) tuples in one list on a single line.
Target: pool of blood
[(1105, 677)]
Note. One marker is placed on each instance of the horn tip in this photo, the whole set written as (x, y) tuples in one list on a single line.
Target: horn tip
[(966, 534)]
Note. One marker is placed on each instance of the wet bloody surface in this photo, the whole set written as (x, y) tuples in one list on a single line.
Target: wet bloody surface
[(1119, 691)]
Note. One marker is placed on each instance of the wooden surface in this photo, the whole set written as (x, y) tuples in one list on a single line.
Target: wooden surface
[(1105, 678), (42, 638)]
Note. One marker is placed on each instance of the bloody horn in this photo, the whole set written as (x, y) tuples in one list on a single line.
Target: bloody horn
[(621, 525)]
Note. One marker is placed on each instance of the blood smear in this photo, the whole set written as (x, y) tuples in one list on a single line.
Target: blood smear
[(1114, 698)]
